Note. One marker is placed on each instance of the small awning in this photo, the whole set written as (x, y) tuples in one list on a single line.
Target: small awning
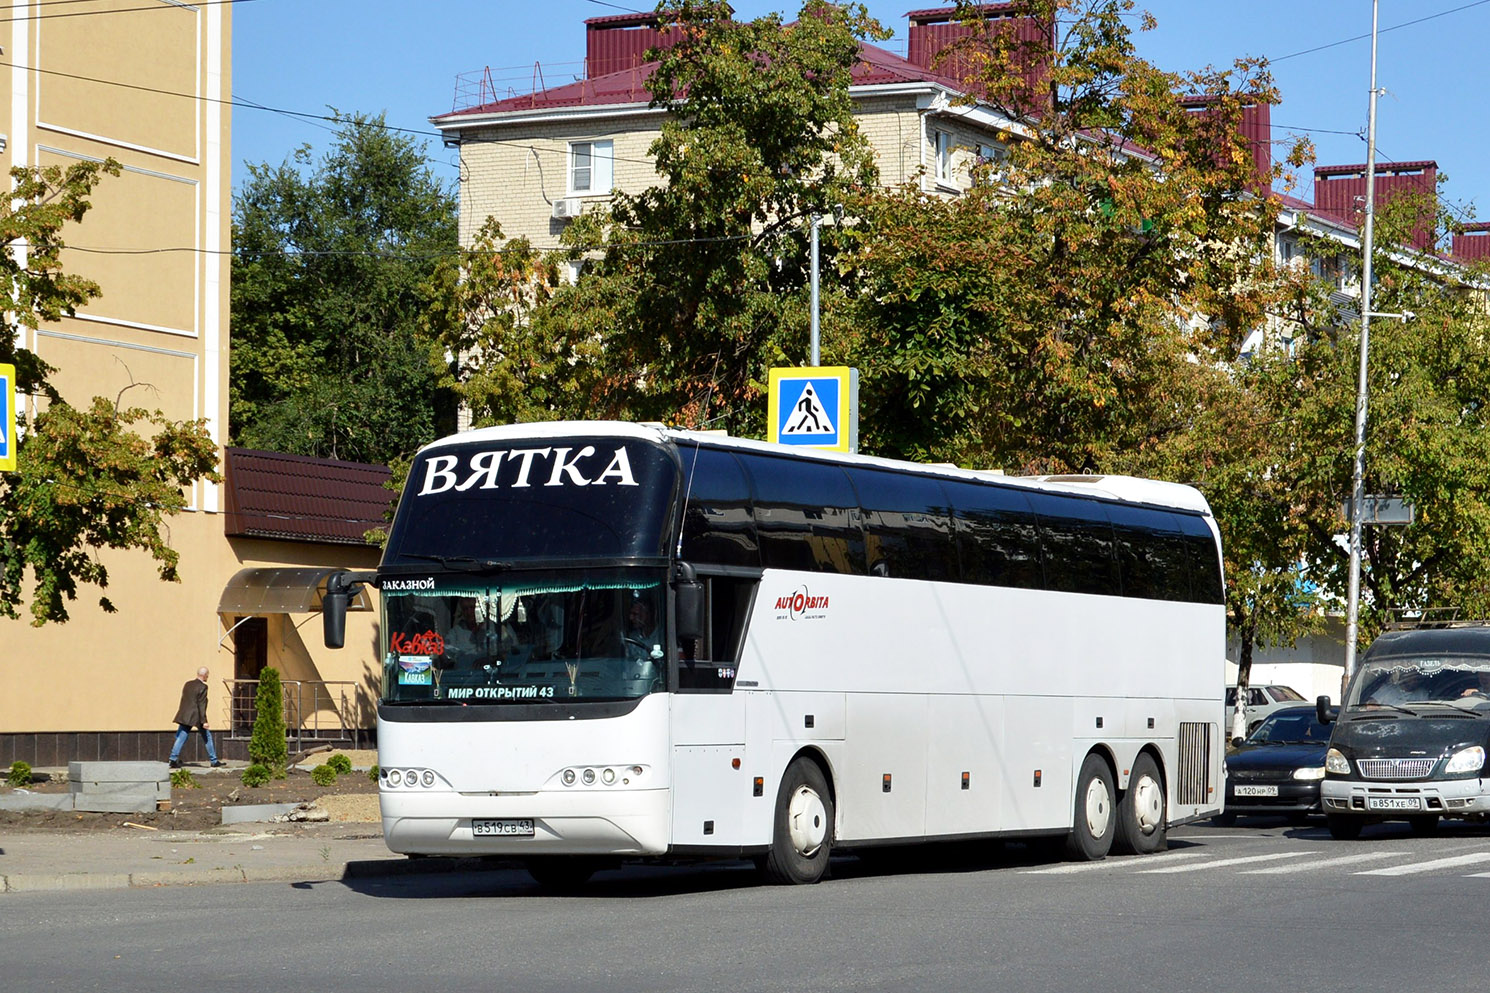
[(282, 591)]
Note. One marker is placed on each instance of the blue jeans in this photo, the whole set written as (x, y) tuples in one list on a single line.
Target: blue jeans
[(182, 730)]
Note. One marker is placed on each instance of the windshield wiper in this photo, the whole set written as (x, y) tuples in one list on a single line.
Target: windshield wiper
[(464, 563), (1364, 710)]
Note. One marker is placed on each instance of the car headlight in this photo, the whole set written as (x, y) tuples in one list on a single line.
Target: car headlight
[(1470, 759), (1311, 771), (1336, 762)]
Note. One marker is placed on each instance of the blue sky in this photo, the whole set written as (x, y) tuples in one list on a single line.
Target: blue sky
[(303, 56)]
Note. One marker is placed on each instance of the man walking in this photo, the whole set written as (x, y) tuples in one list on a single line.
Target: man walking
[(193, 714)]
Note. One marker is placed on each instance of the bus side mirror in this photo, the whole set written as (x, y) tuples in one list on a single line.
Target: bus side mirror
[(688, 603), (334, 618), (1324, 711)]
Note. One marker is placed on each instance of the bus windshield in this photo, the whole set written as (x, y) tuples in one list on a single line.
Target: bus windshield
[(591, 634)]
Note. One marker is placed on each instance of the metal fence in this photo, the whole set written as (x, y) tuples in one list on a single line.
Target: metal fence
[(315, 709)]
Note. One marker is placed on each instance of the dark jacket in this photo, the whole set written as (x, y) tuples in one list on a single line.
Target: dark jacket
[(193, 709)]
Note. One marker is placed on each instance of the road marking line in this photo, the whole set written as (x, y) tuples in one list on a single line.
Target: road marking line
[(1240, 860), (1323, 863), (1057, 870), (1404, 870)]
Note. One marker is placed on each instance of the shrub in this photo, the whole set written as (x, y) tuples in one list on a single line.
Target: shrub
[(257, 774), (340, 763), (323, 775), (373, 772), (20, 774), (182, 779), (268, 746)]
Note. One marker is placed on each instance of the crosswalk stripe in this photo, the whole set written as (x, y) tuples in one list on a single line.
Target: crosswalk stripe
[(1218, 863), (1069, 867), (1323, 863), (1405, 870)]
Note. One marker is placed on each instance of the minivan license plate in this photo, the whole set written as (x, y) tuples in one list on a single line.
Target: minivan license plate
[(1393, 803), (520, 827)]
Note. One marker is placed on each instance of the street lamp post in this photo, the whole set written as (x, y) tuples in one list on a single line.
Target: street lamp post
[(1358, 475)]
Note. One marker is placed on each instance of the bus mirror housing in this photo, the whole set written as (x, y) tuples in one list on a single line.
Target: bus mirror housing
[(340, 588), (334, 618), (1324, 711), (688, 602)]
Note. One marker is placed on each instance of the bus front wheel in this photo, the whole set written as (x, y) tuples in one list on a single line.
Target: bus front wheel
[(1095, 818), (562, 873), (802, 836), (1142, 813)]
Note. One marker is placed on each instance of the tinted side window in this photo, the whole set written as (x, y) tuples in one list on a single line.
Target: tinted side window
[(1151, 553), (907, 525), (1076, 538), (718, 525), (1205, 565), (806, 515), (998, 541)]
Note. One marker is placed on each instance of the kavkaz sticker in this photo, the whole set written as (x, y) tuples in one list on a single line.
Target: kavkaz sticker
[(802, 605)]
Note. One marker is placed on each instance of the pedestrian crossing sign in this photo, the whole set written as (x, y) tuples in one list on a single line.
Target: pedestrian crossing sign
[(7, 418), (814, 407)]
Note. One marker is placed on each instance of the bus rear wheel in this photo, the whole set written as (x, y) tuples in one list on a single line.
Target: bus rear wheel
[(1094, 820), (1142, 812), (802, 836)]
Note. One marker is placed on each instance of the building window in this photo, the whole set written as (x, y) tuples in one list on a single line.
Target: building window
[(591, 167), (988, 166), (943, 142)]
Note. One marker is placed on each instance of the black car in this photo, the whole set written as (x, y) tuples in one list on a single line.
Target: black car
[(1277, 769)]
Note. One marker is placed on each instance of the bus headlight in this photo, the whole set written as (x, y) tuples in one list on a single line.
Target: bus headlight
[(395, 777), (568, 777), (1336, 762), (1470, 759)]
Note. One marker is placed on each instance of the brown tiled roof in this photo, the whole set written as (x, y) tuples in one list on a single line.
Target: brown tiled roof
[(298, 498)]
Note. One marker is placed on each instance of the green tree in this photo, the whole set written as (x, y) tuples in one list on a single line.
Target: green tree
[(1428, 428), (329, 358), (99, 476), (268, 745), (1037, 321), (697, 285)]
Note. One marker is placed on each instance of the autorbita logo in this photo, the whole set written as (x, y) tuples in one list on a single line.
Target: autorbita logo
[(802, 605)]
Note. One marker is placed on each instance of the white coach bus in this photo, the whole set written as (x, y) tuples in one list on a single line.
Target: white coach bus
[(607, 640)]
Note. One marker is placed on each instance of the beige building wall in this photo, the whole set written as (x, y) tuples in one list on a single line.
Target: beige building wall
[(147, 82)]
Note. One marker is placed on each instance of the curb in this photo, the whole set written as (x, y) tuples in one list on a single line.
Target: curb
[(325, 872)]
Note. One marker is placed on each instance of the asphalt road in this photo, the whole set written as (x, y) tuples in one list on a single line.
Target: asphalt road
[(1264, 907)]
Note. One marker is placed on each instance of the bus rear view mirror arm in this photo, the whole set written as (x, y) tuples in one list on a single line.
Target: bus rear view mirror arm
[(340, 588)]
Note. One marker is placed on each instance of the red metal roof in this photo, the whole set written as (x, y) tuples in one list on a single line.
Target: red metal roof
[(875, 66), (298, 498)]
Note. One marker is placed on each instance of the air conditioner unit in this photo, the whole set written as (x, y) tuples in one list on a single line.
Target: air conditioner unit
[(567, 208)]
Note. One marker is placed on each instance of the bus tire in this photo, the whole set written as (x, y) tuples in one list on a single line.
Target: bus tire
[(1424, 824), (1094, 820), (1142, 821), (802, 835), (1343, 827), (562, 873)]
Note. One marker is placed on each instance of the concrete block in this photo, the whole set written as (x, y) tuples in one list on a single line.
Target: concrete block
[(117, 803), (36, 801), (49, 881), (160, 790), (118, 772), (249, 812)]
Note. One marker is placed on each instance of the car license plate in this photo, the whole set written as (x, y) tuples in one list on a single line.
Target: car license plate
[(520, 827), (1255, 790), (1393, 803)]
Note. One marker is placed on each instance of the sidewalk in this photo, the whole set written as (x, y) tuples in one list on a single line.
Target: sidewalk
[(241, 853)]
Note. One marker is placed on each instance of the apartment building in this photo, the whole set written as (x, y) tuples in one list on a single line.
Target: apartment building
[(148, 82)]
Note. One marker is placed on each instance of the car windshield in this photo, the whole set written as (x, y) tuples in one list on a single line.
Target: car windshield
[(1281, 693), (593, 634), (1291, 727), (1399, 681)]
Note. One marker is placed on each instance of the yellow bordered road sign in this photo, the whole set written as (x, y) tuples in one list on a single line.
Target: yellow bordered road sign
[(8, 418), (814, 407)]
